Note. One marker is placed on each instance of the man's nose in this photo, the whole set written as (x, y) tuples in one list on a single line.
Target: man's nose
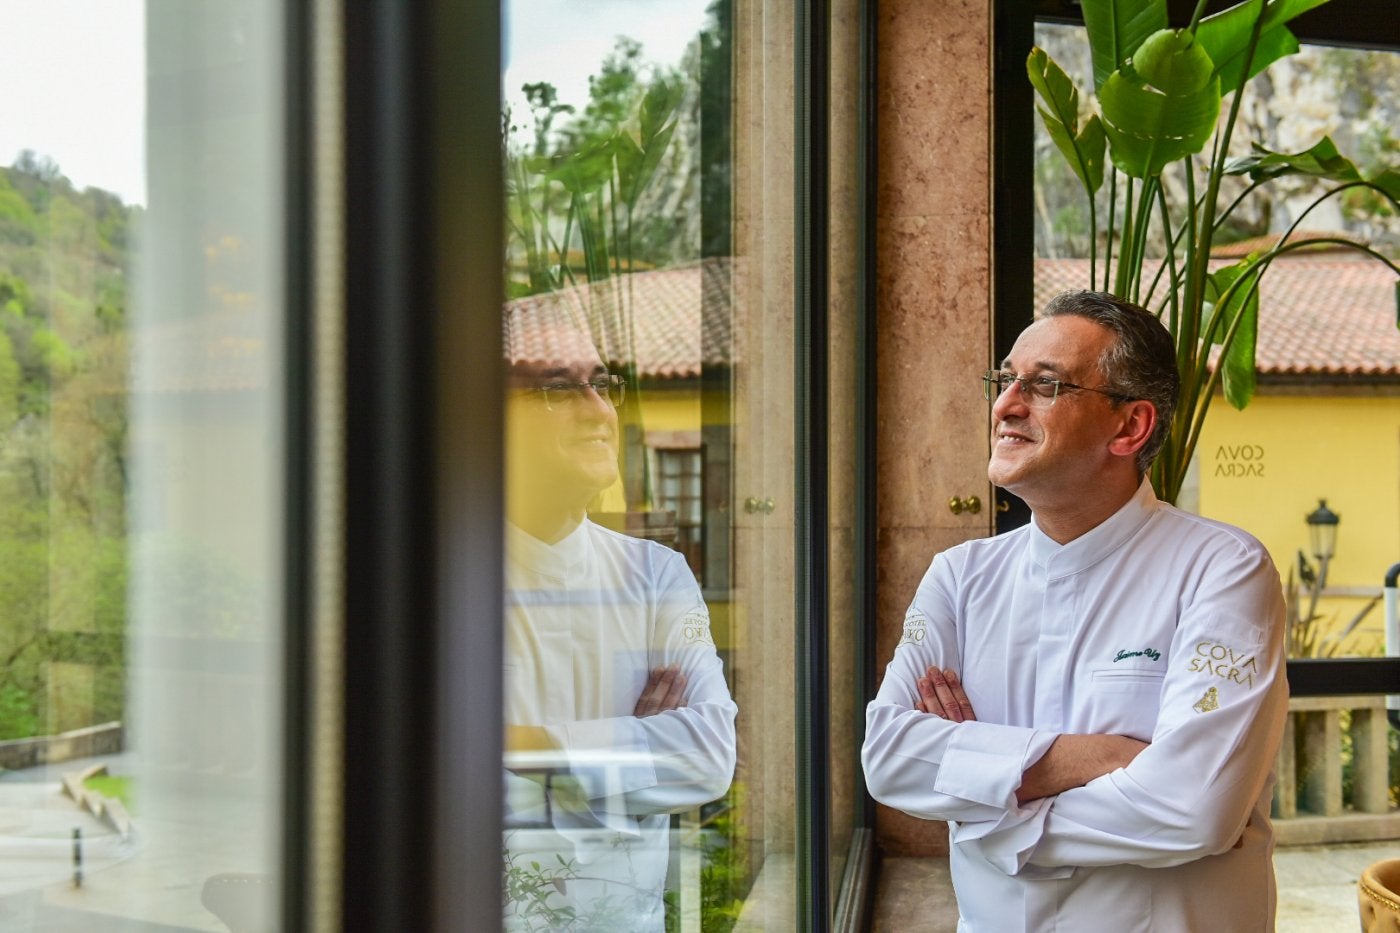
[(1012, 400), (597, 403)]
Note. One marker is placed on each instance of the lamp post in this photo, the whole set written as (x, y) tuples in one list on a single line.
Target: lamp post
[(1322, 531)]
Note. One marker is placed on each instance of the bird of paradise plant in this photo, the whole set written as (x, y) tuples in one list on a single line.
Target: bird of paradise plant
[(1161, 92)]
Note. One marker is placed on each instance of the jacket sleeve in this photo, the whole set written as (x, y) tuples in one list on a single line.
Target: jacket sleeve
[(683, 757), (1190, 793), (922, 764)]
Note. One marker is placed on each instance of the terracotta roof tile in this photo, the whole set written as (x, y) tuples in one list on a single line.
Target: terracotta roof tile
[(1242, 248), (1320, 317), (682, 319)]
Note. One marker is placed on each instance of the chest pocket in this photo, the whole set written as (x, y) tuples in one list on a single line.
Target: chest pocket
[(1127, 680), (1123, 701)]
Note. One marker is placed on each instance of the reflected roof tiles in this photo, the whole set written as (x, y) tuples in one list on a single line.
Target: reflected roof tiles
[(681, 319)]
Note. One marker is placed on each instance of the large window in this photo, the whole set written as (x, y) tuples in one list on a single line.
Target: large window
[(141, 282), (653, 469)]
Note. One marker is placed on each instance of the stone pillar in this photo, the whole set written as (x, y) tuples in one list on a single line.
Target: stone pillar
[(933, 307)]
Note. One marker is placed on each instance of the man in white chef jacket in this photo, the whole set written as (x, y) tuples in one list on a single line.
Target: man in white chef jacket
[(617, 713), (1093, 701)]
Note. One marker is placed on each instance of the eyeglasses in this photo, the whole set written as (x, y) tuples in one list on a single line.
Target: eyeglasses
[(564, 395), (1038, 390)]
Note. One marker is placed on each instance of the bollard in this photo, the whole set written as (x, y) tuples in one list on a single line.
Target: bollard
[(1392, 636), (77, 856)]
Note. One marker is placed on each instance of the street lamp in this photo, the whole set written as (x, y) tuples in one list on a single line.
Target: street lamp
[(1322, 530)]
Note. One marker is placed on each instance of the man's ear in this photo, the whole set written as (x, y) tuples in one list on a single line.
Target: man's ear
[(1139, 419)]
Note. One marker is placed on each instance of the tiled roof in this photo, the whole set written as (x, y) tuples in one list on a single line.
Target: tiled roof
[(681, 319), (1242, 248), (1323, 317)]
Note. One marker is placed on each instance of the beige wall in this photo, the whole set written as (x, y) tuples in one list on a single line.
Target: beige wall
[(933, 308)]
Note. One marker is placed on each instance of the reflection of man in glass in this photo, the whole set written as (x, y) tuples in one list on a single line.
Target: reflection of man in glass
[(617, 713)]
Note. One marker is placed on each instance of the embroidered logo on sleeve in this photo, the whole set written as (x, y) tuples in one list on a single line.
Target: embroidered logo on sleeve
[(915, 628), (1224, 662), (1208, 702), (696, 627), (1152, 654)]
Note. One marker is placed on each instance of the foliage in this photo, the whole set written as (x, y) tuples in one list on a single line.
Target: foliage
[(63, 560), (116, 786), (532, 887), (726, 875), (1312, 634), (1161, 92), (574, 190)]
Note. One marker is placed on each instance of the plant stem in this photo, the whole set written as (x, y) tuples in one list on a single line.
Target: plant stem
[(1112, 211), (1125, 247), (1169, 260), (1196, 16)]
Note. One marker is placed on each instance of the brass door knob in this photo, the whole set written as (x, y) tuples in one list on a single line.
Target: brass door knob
[(753, 504), (971, 504)]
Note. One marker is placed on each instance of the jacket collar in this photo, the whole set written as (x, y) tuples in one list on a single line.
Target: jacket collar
[(1060, 560)]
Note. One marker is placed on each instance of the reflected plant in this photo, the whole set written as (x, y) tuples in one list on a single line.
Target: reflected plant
[(1160, 94), (531, 889)]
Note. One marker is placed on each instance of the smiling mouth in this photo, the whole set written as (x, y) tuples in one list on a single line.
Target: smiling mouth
[(1011, 437)]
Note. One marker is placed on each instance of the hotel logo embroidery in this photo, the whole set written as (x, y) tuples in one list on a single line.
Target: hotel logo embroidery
[(1210, 701), (915, 628), (696, 627), (1224, 662)]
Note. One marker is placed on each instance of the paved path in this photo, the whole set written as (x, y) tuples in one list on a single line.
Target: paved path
[(149, 883), (1316, 890)]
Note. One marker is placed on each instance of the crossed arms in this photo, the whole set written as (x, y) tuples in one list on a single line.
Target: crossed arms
[(664, 691), (1029, 796), (1071, 760)]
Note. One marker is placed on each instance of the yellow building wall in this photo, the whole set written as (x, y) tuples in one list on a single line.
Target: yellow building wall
[(663, 409), (1265, 468)]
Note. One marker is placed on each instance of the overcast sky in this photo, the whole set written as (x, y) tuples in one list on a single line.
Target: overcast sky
[(72, 76), (73, 87), (564, 41)]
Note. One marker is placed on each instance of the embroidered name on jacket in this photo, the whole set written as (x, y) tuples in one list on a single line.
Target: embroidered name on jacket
[(1224, 662), (1151, 654)]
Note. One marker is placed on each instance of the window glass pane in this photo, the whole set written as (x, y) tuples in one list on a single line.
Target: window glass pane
[(1305, 449), (140, 280), (650, 235)]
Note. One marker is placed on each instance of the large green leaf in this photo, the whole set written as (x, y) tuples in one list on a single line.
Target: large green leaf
[(1388, 180), (1225, 37), (580, 172), (1082, 149), (1321, 161), (1162, 105), (1116, 29), (1237, 362)]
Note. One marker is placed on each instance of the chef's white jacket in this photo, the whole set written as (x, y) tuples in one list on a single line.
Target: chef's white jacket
[(587, 619), (1157, 624)]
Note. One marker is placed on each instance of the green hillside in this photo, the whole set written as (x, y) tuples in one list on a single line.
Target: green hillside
[(63, 360)]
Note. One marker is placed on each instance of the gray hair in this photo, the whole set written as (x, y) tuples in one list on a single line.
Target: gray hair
[(1140, 363)]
